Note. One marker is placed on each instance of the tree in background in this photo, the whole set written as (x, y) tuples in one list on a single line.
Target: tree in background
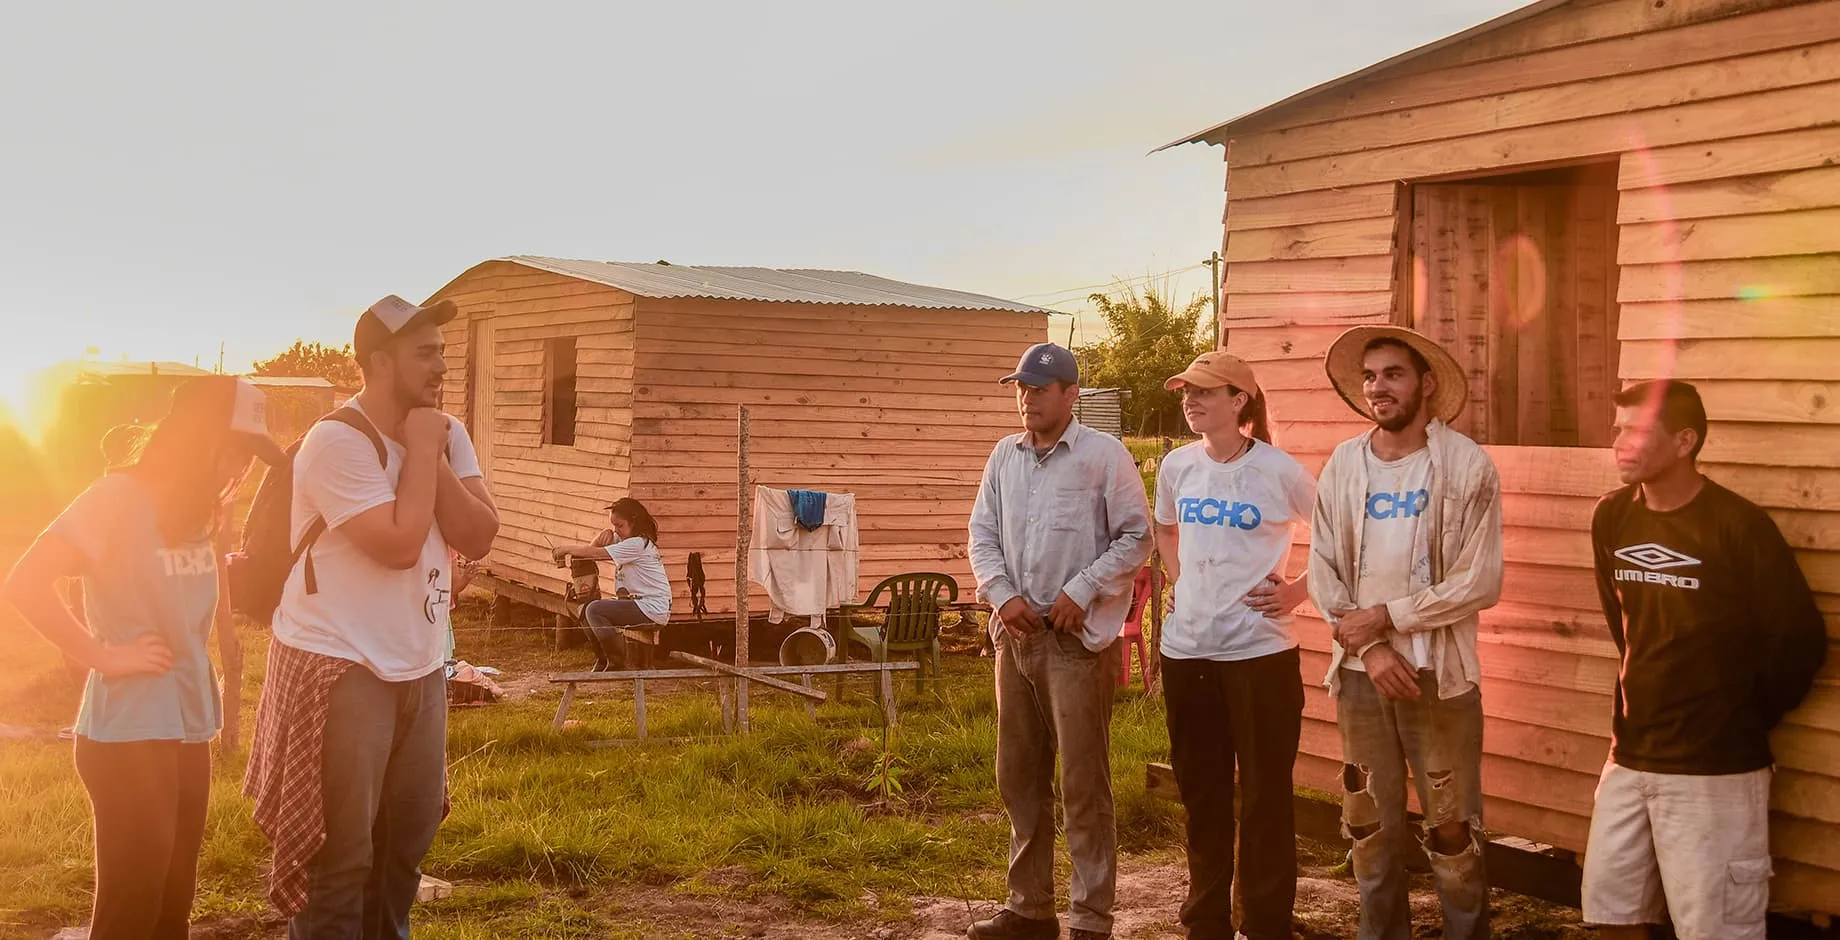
[(1148, 339), (335, 364)]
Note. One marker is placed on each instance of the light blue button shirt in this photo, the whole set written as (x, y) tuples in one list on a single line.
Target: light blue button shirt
[(1074, 520)]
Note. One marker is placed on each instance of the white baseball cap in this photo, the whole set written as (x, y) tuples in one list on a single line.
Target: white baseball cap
[(249, 421), (202, 402), (386, 318)]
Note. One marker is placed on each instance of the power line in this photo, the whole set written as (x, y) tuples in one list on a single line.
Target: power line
[(1115, 284)]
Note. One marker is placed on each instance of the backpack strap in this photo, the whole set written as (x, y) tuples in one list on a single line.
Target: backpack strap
[(352, 418)]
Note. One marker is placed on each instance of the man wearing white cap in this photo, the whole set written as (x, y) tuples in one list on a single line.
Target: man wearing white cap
[(1405, 551), (1058, 533), (349, 766)]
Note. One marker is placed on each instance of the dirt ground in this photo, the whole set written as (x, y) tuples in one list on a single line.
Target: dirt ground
[(1149, 895)]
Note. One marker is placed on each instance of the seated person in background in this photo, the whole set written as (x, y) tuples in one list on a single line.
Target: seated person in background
[(642, 590)]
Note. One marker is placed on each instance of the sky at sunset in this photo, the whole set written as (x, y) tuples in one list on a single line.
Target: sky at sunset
[(176, 176)]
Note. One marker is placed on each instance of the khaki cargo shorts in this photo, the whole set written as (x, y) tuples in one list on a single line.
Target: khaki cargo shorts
[(1696, 849)]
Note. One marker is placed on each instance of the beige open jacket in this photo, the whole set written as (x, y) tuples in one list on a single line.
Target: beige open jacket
[(1464, 513)]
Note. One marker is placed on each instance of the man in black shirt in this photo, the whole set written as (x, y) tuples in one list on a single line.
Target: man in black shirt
[(1720, 638)]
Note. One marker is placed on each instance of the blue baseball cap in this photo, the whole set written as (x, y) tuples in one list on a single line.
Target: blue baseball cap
[(1045, 364)]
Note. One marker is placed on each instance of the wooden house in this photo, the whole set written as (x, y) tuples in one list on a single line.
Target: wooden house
[(1577, 195), (1102, 409), (584, 381)]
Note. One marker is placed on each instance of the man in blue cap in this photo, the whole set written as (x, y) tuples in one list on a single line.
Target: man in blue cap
[(1058, 534)]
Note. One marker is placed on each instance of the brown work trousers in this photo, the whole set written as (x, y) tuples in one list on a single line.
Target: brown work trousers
[(1055, 696)]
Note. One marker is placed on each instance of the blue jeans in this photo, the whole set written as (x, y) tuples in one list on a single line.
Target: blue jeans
[(1441, 740), (604, 620), (384, 783)]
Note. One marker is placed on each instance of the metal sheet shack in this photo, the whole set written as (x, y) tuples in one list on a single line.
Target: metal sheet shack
[(1574, 196), (585, 381)]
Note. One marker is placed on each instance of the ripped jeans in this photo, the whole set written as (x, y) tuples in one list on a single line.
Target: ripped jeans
[(1441, 740)]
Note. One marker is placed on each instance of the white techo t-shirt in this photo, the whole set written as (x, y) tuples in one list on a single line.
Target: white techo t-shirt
[(1234, 522), (640, 572), (1395, 546), (393, 622)]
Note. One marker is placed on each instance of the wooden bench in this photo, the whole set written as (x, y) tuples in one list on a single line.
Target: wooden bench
[(724, 684)]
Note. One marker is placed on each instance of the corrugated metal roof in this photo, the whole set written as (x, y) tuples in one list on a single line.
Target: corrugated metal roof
[(1219, 133), (137, 368), (801, 285), (288, 381)]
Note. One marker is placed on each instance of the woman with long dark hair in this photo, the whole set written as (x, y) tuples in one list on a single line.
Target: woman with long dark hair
[(141, 540), (1227, 507), (642, 589)]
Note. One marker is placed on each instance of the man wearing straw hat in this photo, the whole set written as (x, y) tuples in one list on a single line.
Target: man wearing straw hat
[(1405, 551)]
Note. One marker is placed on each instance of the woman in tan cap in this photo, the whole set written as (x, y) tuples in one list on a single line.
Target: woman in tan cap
[(1227, 507), (140, 538)]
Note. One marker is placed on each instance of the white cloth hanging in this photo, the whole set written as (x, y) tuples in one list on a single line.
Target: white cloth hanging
[(804, 572)]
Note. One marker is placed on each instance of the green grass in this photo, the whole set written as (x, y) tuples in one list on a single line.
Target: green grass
[(544, 826)]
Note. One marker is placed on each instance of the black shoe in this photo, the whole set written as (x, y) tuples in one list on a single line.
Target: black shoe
[(1009, 925), (1077, 934)]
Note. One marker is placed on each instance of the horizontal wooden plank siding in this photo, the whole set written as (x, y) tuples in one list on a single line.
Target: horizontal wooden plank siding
[(542, 490), (1719, 121), (899, 407)]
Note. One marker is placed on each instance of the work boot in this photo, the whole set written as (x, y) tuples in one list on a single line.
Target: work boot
[(1009, 925)]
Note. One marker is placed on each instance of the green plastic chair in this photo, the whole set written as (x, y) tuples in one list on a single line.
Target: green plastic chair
[(912, 621)]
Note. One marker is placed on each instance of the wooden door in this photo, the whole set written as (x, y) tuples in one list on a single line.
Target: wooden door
[(484, 392), (1516, 277)]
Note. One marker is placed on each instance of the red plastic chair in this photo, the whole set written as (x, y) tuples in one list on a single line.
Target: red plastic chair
[(1148, 582)]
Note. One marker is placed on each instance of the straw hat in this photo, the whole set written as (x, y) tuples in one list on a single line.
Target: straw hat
[(1344, 367)]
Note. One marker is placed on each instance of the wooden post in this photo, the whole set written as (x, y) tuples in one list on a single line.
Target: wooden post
[(562, 710), (722, 687), (744, 524), (639, 705)]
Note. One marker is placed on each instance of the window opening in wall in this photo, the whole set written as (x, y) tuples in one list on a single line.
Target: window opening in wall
[(559, 391), (1516, 276)]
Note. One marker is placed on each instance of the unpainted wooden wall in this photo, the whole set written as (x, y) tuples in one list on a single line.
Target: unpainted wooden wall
[(1723, 119)]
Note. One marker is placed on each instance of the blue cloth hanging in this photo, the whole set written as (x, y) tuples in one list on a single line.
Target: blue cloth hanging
[(807, 508)]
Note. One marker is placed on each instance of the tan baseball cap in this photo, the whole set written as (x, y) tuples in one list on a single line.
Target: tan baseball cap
[(1215, 369)]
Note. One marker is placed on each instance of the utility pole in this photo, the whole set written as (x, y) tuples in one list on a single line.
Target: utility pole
[(1213, 264), (220, 344)]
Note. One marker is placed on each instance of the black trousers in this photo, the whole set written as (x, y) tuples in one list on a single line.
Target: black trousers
[(149, 799), (1222, 716)]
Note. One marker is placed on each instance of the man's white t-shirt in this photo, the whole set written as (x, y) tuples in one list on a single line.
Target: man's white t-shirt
[(393, 622), (641, 573), (1234, 523), (1395, 546)]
